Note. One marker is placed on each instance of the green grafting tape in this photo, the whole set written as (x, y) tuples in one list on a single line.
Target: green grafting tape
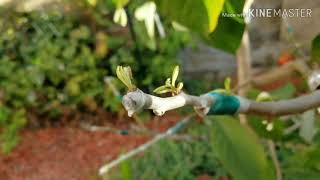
[(224, 105)]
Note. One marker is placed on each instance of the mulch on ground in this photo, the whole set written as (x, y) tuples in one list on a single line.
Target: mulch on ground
[(69, 153)]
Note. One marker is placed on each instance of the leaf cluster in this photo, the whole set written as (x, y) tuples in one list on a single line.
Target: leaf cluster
[(170, 85)]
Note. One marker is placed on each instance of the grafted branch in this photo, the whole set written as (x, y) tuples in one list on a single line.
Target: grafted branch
[(137, 100)]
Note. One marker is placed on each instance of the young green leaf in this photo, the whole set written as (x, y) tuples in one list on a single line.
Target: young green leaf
[(179, 87), (120, 75), (120, 3), (175, 74), (227, 84), (162, 89), (264, 97), (168, 82), (125, 76), (315, 49)]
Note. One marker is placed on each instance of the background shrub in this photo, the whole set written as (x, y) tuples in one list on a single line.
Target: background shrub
[(59, 58)]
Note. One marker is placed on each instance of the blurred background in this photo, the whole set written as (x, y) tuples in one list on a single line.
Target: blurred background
[(60, 112)]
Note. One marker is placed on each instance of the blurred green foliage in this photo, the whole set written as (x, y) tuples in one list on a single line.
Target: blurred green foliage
[(59, 58), (237, 148), (300, 163), (315, 49), (170, 159)]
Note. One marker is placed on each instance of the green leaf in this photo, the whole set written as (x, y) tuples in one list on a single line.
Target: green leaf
[(298, 174), (227, 84), (125, 75), (168, 82), (120, 3), (175, 74), (264, 97), (221, 91), (277, 132), (92, 2), (146, 13), (214, 8), (285, 92), (4, 114), (229, 9), (125, 170), (228, 34), (179, 87), (120, 17), (303, 164), (204, 17), (200, 16), (239, 150), (162, 89), (315, 49)]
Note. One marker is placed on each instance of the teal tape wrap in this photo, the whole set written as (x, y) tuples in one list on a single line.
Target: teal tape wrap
[(224, 105)]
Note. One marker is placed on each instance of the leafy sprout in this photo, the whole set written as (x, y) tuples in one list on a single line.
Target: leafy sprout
[(125, 76), (170, 85), (227, 87)]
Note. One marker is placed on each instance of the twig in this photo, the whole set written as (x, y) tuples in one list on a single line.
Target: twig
[(189, 138), (292, 128), (274, 158), (277, 73)]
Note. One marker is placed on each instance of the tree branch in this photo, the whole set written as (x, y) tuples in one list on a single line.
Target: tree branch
[(286, 107), (297, 66), (136, 101), (273, 154)]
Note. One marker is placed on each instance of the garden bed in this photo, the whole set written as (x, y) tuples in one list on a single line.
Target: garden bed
[(71, 153)]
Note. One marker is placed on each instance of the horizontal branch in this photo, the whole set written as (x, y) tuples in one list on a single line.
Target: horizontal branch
[(218, 104), (286, 107)]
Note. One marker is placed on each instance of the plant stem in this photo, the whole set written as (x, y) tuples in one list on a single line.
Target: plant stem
[(274, 158)]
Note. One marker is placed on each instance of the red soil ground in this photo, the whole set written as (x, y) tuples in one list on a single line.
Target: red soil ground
[(66, 153)]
